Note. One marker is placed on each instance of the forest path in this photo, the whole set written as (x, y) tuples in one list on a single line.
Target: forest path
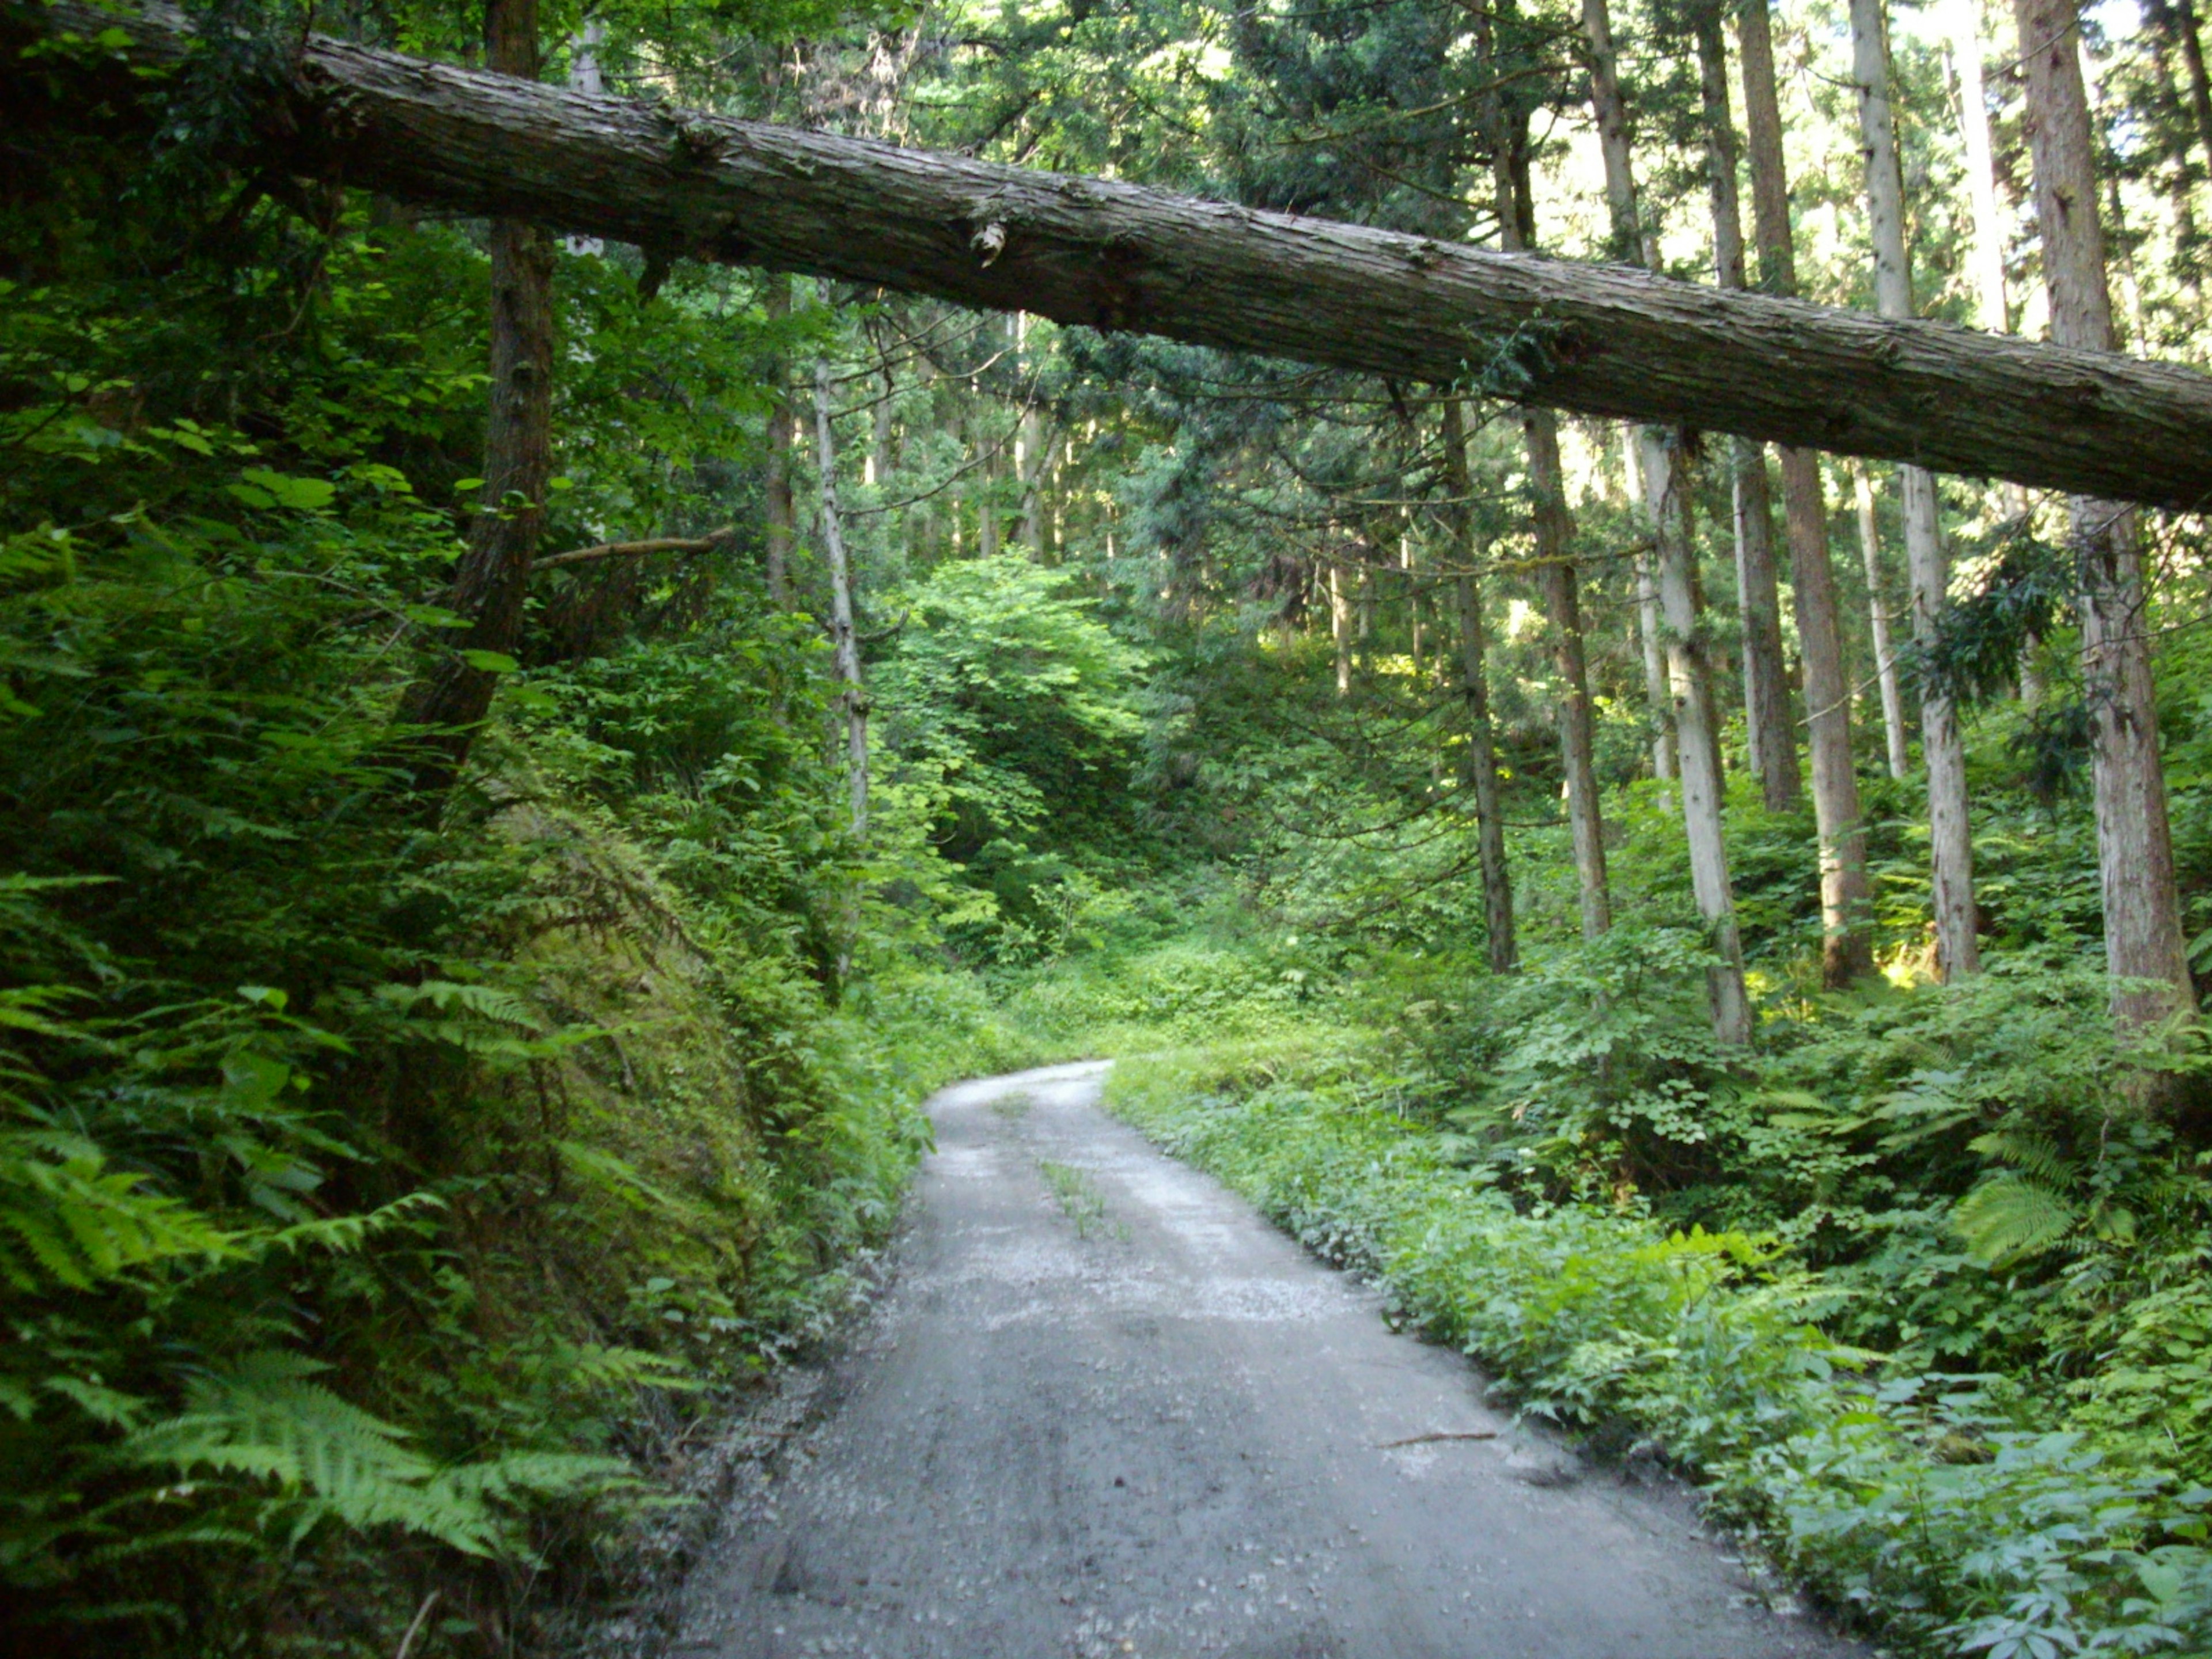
[(1103, 1408)]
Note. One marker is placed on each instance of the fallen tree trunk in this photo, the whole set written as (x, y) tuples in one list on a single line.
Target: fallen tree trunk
[(1602, 340)]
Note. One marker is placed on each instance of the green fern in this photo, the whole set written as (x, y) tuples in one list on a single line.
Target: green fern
[(268, 1424), (2012, 1217), (69, 1221)]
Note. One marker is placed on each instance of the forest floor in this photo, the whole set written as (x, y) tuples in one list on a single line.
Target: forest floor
[(1104, 1408)]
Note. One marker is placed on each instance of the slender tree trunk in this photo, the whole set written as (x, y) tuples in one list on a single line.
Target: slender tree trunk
[(1558, 584), (2144, 946), (2183, 178), (2200, 88), (1656, 701), (1885, 652), (844, 641), (1689, 675), (783, 516), (1846, 895), (1416, 616), (1340, 626), (1667, 498), (450, 702), (1474, 688), (987, 528), (1633, 242), (878, 468), (1560, 590), (1771, 733), (1032, 448), (1987, 254), (1958, 953), (1030, 473)]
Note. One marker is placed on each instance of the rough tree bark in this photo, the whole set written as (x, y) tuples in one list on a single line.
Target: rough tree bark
[(2144, 946), (1884, 650), (777, 487), (1771, 733), (844, 641), (1846, 895), (1600, 340), (1942, 752), (1474, 689), (1666, 501), (448, 705)]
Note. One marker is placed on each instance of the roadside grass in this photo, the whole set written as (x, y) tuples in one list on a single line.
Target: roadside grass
[(1947, 1514)]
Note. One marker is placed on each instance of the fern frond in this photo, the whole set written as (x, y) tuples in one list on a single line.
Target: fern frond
[(2037, 1157), (267, 1422), (2010, 1218), (74, 1222), (451, 996)]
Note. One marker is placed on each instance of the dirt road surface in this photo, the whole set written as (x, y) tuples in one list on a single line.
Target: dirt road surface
[(1104, 1409)]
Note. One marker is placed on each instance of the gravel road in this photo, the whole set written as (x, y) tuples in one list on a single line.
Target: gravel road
[(1103, 1409)]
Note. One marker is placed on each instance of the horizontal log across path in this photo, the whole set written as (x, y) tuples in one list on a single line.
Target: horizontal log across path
[(1595, 339)]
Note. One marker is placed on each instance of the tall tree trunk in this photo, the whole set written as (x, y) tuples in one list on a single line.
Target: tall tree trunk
[(988, 527), (1032, 448), (1474, 688), (879, 467), (1885, 650), (1416, 612), (450, 704), (1771, 733), (844, 642), (1560, 590), (2143, 940), (1846, 895), (2183, 176), (1340, 626), (1667, 499), (2200, 87), (1958, 953), (1658, 704), (1558, 584), (1987, 254), (777, 487), (1689, 675)]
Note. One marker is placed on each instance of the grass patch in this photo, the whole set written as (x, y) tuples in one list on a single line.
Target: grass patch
[(1080, 1200)]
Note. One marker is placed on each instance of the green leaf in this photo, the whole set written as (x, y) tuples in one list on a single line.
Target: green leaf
[(301, 494), (490, 662)]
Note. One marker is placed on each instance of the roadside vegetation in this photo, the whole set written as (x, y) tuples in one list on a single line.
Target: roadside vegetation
[(524, 760)]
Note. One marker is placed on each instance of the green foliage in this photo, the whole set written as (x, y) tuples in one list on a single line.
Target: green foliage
[(1008, 706), (1938, 1509), (379, 1198)]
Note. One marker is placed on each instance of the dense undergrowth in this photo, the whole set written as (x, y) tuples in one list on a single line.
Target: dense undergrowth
[(1913, 1295), (389, 1191)]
